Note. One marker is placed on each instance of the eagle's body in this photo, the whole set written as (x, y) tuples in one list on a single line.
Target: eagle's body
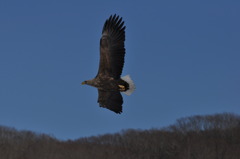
[(106, 83), (108, 80)]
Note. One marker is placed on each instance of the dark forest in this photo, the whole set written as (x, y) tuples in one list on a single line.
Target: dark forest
[(197, 137)]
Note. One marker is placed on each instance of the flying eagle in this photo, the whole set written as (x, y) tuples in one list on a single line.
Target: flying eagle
[(108, 80)]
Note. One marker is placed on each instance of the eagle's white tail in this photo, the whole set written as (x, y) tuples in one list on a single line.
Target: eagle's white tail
[(131, 84)]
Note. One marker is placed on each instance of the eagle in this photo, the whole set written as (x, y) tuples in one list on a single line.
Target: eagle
[(108, 80)]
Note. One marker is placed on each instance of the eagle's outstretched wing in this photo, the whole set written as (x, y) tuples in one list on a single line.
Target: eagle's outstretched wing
[(112, 49), (110, 100)]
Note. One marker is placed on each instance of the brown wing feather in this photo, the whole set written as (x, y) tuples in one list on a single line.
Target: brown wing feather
[(112, 49), (110, 100)]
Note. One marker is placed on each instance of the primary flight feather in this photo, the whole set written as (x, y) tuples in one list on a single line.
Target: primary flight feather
[(108, 80)]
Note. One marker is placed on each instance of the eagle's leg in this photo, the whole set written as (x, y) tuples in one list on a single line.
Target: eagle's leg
[(121, 87)]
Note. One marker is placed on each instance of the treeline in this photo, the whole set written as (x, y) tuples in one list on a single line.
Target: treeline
[(197, 137)]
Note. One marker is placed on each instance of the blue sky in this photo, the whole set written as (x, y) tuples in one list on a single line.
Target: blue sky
[(182, 55)]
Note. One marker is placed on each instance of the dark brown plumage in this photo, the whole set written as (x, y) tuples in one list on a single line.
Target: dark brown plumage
[(108, 80)]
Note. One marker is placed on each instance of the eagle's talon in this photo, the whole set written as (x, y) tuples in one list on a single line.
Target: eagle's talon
[(121, 87)]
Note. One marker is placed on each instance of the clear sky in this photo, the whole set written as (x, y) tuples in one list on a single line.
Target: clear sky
[(182, 55)]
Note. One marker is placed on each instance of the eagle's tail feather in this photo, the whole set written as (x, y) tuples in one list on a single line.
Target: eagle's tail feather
[(131, 84)]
